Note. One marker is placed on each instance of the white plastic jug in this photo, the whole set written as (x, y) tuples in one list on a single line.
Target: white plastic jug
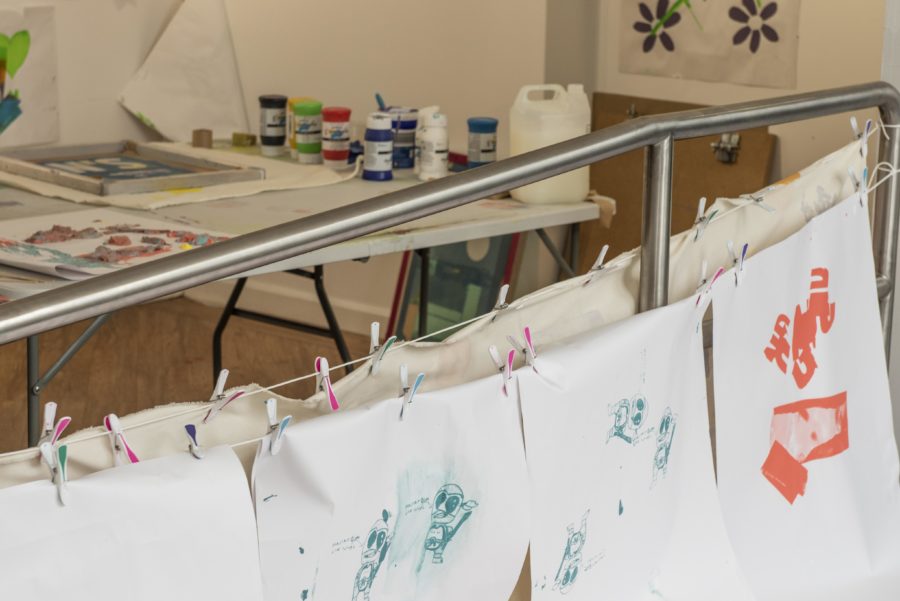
[(543, 115)]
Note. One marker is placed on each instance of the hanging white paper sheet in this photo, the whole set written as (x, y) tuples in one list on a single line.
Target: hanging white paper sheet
[(29, 111), (190, 79), (617, 440), (807, 463), (175, 528), (82, 244), (362, 506)]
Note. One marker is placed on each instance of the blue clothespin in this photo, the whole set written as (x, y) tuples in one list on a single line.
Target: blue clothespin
[(193, 444), (276, 428), (407, 392)]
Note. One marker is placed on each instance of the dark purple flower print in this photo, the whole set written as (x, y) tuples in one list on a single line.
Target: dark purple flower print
[(654, 26), (754, 25)]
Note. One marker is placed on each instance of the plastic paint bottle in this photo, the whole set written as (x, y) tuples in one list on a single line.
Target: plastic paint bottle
[(424, 112), (482, 140), (336, 137), (403, 122), (308, 132), (272, 117), (378, 157), (433, 146)]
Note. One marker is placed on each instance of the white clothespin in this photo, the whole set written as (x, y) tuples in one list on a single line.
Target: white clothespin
[(407, 392), (598, 264), (51, 433), (862, 136), (702, 220), (702, 281), (323, 382), (380, 351), (860, 186), (505, 368), (122, 453), (527, 347), (56, 457), (757, 201), (374, 336), (193, 443), (737, 262), (220, 401), (276, 426), (501, 303)]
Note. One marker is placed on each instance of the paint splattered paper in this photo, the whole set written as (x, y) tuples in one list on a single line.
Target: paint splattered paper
[(29, 112), (807, 463), (617, 440), (171, 528), (361, 506), (82, 244)]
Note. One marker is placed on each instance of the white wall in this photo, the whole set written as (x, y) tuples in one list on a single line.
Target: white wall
[(840, 44)]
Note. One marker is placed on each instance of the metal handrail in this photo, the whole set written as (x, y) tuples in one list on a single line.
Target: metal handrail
[(152, 280)]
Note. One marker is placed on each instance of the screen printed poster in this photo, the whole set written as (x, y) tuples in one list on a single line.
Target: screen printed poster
[(807, 462), (360, 505), (622, 481)]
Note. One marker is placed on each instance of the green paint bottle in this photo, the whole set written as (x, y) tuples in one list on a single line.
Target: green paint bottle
[(308, 131)]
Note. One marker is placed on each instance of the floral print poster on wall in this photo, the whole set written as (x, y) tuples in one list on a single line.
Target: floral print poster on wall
[(749, 42)]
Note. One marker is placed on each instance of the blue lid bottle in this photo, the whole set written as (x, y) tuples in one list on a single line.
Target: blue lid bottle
[(482, 141), (379, 148)]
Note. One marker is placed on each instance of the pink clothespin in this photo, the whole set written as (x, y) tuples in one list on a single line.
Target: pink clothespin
[(505, 368), (709, 285), (51, 433), (527, 347), (276, 427), (220, 401), (122, 453), (323, 382)]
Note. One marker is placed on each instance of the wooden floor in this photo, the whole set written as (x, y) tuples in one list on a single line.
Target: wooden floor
[(155, 354)]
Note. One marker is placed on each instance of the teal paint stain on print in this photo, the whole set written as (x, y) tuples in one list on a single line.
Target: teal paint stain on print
[(570, 565), (375, 549)]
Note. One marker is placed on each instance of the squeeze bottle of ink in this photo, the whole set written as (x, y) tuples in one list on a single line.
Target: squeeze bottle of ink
[(378, 156), (482, 140), (308, 133), (403, 120), (433, 147), (424, 112), (336, 137), (272, 117)]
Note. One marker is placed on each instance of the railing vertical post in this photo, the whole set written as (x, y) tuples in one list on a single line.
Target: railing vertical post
[(887, 211), (656, 224)]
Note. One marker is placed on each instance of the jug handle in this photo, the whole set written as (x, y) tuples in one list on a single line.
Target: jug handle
[(545, 87)]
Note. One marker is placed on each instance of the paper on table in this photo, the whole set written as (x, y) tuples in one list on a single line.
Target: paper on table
[(807, 461), (170, 528), (190, 79), (622, 482), (109, 240), (280, 175), (360, 505)]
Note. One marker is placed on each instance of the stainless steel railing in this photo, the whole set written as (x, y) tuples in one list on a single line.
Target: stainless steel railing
[(657, 134)]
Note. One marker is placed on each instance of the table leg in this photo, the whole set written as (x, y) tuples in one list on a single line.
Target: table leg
[(424, 272), (554, 252), (223, 323), (330, 317), (33, 367)]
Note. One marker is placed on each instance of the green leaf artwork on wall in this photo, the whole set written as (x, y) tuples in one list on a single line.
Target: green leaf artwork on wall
[(13, 52)]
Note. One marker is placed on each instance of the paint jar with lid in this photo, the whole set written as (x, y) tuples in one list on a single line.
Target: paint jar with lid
[(433, 146), (308, 132), (272, 117), (403, 122), (379, 147), (482, 141), (336, 137)]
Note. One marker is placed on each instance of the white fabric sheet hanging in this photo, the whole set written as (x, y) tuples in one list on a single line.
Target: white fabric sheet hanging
[(807, 461), (617, 439), (360, 505), (172, 528)]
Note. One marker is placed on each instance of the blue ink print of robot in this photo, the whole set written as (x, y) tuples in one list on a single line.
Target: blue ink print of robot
[(377, 543), (664, 436), (571, 560), (451, 511), (628, 417)]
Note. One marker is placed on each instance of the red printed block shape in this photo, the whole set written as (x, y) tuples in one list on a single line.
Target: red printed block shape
[(785, 473), (804, 431)]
